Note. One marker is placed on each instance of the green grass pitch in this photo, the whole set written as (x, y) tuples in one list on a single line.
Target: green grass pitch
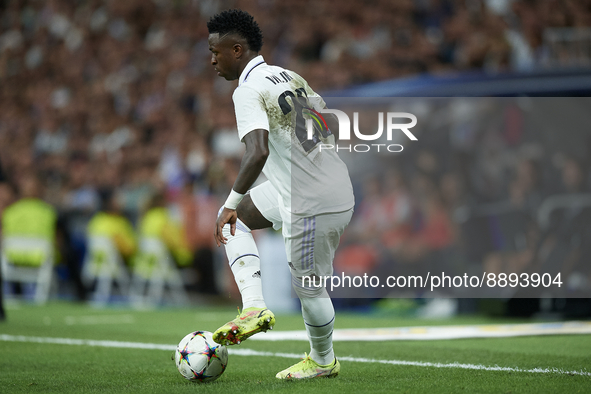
[(30, 367)]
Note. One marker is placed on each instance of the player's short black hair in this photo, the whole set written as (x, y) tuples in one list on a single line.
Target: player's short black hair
[(239, 22)]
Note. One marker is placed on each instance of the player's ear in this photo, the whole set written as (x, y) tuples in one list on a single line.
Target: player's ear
[(238, 50)]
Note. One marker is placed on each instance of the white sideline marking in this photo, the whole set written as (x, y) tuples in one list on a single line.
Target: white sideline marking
[(250, 352), (438, 332), (85, 342)]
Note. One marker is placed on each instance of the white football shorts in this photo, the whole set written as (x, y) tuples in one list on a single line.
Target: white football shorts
[(310, 241)]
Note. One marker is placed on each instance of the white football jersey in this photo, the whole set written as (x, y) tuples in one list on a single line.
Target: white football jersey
[(309, 180)]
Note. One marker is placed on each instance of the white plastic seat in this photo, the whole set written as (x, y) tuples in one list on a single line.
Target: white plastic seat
[(104, 267), (40, 274), (154, 273)]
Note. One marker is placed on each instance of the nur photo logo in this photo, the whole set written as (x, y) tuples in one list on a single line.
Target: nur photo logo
[(316, 124)]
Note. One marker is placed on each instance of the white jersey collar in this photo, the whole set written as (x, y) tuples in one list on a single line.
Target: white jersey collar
[(257, 61)]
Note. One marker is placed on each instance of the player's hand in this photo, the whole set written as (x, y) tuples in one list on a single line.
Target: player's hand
[(227, 216)]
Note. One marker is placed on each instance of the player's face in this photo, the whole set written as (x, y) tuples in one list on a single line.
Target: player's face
[(223, 56)]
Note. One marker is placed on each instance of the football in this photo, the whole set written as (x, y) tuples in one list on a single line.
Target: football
[(199, 359)]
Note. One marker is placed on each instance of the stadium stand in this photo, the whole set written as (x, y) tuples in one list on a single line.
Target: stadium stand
[(102, 96)]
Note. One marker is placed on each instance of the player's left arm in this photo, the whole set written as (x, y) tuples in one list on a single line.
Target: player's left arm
[(253, 161)]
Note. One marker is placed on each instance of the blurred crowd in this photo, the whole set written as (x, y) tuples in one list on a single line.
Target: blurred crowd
[(104, 97), (492, 187)]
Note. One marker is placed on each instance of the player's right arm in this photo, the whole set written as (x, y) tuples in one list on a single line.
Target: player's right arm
[(253, 130), (253, 161)]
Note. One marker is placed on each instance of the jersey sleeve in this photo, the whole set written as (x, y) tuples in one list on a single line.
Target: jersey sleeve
[(315, 99), (250, 111)]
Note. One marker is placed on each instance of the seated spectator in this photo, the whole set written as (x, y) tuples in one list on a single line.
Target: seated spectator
[(29, 217), (157, 222), (29, 233), (111, 223)]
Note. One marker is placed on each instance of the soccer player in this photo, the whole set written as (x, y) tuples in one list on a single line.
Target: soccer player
[(308, 193)]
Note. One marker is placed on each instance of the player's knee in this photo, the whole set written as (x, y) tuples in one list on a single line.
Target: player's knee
[(241, 229), (250, 214), (307, 287)]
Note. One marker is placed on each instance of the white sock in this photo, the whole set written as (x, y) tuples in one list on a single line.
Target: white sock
[(318, 314), (243, 257)]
